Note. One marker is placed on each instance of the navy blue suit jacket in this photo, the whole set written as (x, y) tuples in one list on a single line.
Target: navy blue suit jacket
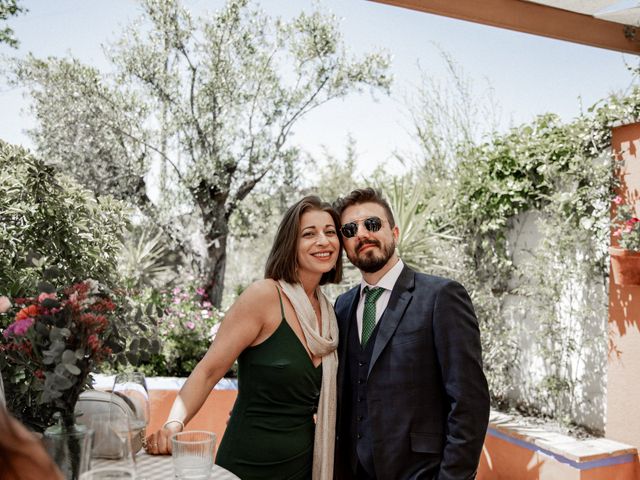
[(427, 395)]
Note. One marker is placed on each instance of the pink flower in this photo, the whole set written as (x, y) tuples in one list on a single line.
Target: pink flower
[(204, 313), (43, 296), (617, 199), (627, 229), (5, 304), (617, 233), (200, 291), (206, 304), (190, 325), (18, 328), (177, 300), (176, 290), (21, 326)]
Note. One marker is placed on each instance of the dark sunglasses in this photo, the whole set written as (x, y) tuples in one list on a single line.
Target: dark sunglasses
[(373, 224)]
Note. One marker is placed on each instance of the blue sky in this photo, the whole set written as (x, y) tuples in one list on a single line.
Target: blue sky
[(530, 75)]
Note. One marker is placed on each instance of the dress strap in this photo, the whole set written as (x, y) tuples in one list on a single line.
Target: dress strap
[(281, 306)]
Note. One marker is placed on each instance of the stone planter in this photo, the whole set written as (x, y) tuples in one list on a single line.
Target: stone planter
[(625, 266)]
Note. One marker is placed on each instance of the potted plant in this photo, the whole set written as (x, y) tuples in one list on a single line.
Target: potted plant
[(625, 257), (47, 355)]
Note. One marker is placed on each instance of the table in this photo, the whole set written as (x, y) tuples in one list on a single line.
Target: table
[(159, 467)]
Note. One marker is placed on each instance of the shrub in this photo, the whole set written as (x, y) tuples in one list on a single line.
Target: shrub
[(185, 327), (50, 226)]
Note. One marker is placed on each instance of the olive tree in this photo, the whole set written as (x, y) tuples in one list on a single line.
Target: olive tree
[(210, 103)]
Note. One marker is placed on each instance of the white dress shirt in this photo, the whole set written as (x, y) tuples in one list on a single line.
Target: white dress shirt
[(387, 282)]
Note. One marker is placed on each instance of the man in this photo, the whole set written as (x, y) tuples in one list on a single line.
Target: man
[(413, 401)]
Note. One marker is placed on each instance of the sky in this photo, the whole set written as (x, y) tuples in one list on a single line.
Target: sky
[(529, 75)]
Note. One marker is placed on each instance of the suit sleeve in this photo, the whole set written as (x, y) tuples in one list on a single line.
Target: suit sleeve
[(457, 343)]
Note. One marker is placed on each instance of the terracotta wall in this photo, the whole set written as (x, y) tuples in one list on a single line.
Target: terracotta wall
[(623, 375), (212, 416)]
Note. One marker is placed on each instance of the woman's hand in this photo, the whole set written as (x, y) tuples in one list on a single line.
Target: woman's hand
[(159, 443)]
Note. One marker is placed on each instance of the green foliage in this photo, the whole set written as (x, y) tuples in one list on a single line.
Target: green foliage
[(9, 8), (337, 176), (50, 226), (145, 260), (424, 235), (561, 171), (184, 325)]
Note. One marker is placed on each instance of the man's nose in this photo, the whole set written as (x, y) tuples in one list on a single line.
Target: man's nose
[(362, 230)]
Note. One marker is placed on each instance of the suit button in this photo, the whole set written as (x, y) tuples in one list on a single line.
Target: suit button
[(361, 364), (360, 382), (359, 436), (359, 399)]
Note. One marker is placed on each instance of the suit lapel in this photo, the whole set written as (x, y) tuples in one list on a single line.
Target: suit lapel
[(400, 297), (346, 319)]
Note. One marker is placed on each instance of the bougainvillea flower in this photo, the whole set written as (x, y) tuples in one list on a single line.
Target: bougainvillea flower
[(617, 199)]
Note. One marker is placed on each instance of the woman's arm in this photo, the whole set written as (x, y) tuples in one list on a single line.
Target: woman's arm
[(243, 326)]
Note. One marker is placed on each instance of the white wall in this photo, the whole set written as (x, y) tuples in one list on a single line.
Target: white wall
[(580, 336)]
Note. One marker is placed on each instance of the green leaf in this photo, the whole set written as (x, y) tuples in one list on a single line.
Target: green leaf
[(46, 287), (72, 369), (69, 357)]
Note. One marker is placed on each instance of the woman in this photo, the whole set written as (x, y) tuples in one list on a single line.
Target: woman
[(284, 334)]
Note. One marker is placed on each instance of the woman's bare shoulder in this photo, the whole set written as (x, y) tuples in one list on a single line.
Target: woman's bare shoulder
[(263, 292)]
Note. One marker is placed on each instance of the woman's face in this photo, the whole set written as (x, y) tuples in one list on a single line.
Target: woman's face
[(318, 243)]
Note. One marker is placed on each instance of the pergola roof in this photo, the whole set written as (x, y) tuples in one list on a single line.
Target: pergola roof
[(613, 27)]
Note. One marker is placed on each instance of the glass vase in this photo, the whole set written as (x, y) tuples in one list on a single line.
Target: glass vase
[(70, 448)]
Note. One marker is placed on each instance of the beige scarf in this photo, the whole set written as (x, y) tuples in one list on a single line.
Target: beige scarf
[(321, 345)]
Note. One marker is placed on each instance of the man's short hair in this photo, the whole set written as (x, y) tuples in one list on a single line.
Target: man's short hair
[(364, 195)]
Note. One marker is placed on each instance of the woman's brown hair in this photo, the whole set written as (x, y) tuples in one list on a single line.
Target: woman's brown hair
[(282, 262)]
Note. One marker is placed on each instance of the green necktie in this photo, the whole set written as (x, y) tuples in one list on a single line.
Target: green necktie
[(371, 295)]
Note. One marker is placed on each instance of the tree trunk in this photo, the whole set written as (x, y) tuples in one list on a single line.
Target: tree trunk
[(217, 262)]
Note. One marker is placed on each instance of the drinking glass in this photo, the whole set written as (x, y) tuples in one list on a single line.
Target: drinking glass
[(132, 387), (193, 453), (108, 473)]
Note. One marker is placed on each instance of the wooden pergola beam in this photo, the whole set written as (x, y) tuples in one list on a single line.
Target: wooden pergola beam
[(532, 18)]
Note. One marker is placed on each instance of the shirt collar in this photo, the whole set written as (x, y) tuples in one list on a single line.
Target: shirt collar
[(389, 279)]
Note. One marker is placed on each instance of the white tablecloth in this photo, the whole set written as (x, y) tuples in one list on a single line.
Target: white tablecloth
[(160, 467)]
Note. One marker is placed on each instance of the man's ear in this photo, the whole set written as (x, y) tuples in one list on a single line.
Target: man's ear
[(396, 233)]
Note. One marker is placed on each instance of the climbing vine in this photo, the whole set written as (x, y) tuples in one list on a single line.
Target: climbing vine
[(561, 173)]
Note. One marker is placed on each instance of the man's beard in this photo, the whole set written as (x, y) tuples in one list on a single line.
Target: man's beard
[(370, 263)]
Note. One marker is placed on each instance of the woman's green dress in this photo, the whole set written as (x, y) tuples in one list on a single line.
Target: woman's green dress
[(271, 429)]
